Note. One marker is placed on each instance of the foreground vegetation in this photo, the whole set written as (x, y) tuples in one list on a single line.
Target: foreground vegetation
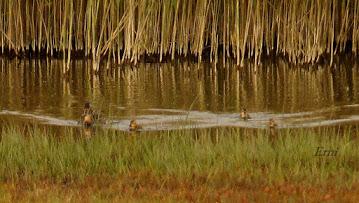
[(189, 164), (127, 29)]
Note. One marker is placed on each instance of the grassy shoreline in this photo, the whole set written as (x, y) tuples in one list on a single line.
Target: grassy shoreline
[(236, 160)]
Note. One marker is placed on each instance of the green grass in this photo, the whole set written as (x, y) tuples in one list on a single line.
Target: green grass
[(235, 156)]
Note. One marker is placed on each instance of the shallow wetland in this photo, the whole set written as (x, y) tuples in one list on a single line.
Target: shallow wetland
[(193, 145)]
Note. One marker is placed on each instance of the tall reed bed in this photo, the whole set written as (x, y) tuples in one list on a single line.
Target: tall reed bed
[(302, 30), (234, 155)]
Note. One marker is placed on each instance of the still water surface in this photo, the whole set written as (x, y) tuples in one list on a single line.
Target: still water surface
[(180, 94)]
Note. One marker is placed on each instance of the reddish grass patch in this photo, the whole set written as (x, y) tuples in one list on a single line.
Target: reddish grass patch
[(144, 186)]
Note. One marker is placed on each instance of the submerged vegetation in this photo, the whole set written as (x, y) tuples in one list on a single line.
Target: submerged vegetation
[(125, 30)]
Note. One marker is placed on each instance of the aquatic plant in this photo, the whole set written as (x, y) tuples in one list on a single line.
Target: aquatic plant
[(303, 31)]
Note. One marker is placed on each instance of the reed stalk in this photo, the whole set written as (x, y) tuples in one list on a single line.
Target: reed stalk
[(303, 31)]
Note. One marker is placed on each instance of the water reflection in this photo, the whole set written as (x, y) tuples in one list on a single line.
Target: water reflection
[(158, 92)]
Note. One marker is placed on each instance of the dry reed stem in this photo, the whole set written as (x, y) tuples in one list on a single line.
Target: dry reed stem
[(303, 31)]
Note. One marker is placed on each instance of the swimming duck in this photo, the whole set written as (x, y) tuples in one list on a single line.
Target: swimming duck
[(134, 126), (88, 115), (244, 115), (272, 124), (88, 120)]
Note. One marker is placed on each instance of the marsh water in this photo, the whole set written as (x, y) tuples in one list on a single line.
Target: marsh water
[(180, 94)]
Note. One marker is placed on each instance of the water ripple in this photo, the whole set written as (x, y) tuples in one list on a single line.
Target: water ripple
[(204, 119)]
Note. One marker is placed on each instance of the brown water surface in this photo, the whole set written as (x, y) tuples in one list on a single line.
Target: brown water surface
[(180, 94)]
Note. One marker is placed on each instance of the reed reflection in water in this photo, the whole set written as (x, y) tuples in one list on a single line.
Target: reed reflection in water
[(155, 89)]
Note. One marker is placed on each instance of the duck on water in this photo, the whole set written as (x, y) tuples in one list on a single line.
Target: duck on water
[(244, 115), (134, 126), (89, 116)]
